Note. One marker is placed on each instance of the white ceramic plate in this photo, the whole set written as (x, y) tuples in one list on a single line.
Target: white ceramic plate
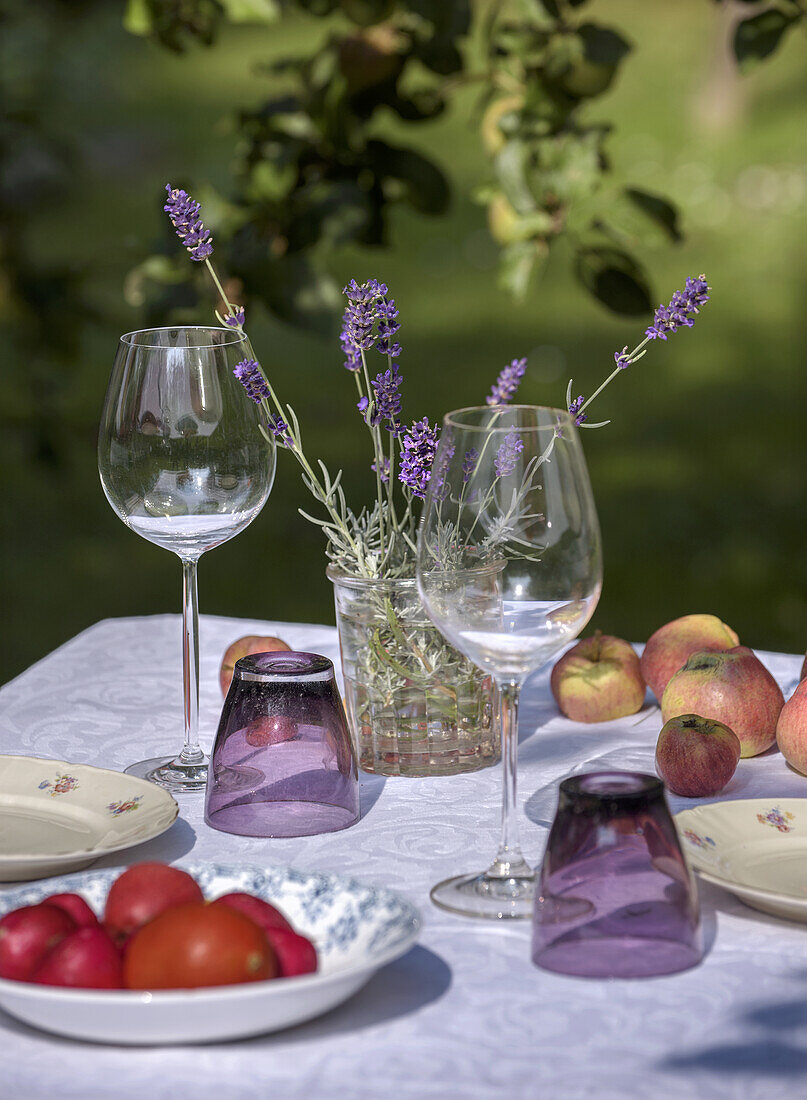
[(356, 929), (57, 817), (756, 848)]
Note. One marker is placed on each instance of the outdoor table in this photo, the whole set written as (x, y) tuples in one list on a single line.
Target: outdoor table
[(465, 1014)]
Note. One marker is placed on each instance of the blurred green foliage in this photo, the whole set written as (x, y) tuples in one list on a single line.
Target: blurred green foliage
[(699, 477)]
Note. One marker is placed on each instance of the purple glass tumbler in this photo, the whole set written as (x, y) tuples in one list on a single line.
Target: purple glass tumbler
[(283, 762), (615, 898)]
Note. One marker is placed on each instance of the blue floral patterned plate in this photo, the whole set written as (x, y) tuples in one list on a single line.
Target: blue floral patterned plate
[(356, 929)]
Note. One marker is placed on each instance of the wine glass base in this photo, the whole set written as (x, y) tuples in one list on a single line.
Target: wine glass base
[(168, 772), (486, 896)]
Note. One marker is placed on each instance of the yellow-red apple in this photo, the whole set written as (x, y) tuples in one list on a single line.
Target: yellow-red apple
[(791, 729), (732, 687), (598, 679), (245, 647), (695, 756), (672, 644)]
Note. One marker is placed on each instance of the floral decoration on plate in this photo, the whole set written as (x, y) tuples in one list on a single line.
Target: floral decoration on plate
[(122, 806), (778, 819), (63, 784)]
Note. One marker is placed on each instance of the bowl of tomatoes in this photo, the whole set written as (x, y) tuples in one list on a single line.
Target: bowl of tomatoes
[(192, 953)]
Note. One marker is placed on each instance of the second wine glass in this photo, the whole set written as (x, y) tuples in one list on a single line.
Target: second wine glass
[(185, 464), (510, 571)]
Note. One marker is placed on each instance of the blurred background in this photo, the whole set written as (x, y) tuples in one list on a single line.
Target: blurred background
[(699, 478)]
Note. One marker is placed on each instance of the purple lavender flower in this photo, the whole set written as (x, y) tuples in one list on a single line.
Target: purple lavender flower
[(574, 411), (507, 383), (362, 404), (387, 401), (384, 469), (621, 358), (387, 327), (668, 319), (417, 455), (235, 320), (469, 464), (280, 430), (184, 215), (506, 458), (351, 352), (369, 320), (249, 375)]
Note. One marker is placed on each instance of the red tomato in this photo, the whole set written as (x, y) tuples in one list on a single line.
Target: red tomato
[(195, 945)]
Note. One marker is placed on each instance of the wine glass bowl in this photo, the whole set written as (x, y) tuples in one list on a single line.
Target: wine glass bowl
[(510, 571), (185, 461)]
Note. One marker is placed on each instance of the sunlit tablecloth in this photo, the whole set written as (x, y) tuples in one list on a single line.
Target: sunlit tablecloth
[(465, 1014)]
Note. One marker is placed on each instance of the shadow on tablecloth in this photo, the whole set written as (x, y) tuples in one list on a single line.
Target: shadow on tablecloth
[(770, 1040)]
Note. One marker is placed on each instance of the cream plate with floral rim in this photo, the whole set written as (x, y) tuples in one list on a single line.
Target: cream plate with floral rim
[(57, 817), (756, 848)]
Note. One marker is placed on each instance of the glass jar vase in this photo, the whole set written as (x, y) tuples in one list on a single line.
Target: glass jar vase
[(416, 706)]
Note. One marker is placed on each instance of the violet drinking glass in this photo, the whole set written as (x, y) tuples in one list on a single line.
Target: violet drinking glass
[(616, 897), (283, 762)]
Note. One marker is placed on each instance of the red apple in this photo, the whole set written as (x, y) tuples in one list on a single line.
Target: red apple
[(245, 647), (695, 756), (669, 648), (732, 687), (295, 954), (27, 935), (791, 729), (141, 893), (598, 679), (85, 959), (256, 909), (76, 907)]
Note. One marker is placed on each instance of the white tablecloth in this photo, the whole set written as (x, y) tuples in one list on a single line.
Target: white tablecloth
[(464, 1014)]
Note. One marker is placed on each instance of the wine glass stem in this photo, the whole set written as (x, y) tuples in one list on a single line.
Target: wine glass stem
[(191, 753), (509, 862)]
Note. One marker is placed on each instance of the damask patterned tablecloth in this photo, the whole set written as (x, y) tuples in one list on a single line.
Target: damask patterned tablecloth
[(464, 1014)]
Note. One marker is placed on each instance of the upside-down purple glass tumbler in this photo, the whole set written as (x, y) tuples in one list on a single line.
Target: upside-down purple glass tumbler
[(283, 762), (616, 898)]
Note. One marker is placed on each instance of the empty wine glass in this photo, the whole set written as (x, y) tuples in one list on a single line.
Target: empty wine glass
[(184, 463), (509, 570)]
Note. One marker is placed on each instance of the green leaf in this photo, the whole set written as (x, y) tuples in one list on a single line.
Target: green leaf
[(511, 172), (516, 265), (663, 213), (137, 17), (756, 38), (420, 182), (251, 11), (615, 279), (602, 45)]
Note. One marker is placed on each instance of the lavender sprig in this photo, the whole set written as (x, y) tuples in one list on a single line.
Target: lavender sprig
[(506, 458), (666, 320), (191, 230), (417, 456), (387, 399), (505, 386)]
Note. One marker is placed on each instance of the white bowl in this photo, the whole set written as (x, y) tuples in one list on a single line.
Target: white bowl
[(356, 929), (57, 817)]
